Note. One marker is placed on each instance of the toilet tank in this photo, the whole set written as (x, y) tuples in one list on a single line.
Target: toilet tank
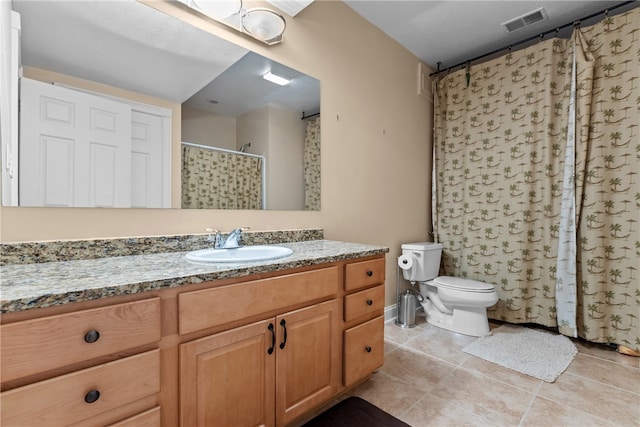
[(423, 260)]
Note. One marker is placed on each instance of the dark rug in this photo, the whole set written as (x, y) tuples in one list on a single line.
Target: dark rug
[(355, 412)]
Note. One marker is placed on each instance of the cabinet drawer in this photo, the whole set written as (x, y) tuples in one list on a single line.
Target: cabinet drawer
[(75, 337), (64, 400), (363, 350), (365, 273), (217, 306), (364, 303), (150, 418)]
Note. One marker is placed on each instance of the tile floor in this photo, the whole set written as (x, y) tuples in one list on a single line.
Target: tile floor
[(428, 381)]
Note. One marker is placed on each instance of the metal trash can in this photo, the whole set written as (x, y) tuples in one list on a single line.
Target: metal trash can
[(407, 304)]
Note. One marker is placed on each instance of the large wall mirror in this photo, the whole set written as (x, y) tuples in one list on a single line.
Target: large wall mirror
[(113, 92)]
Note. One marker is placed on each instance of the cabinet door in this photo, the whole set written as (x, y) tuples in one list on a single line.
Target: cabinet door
[(308, 364), (227, 379)]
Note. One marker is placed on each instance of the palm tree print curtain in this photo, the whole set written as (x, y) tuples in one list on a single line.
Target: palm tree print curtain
[(312, 166), (503, 142), (214, 179), (608, 235), (500, 147)]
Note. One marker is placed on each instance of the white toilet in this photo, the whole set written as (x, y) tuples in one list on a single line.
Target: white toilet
[(452, 303)]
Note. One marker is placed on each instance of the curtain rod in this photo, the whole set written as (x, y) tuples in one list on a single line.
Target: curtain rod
[(310, 115), (222, 150), (540, 36)]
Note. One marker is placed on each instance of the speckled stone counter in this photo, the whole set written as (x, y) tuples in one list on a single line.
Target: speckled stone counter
[(68, 250), (37, 285)]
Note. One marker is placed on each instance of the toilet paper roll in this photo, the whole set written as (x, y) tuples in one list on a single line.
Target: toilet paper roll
[(405, 262)]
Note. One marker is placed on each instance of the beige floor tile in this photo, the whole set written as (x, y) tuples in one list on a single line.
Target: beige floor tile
[(434, 411), (442, 344), (500, 373), (544, 412), (398, 335), (421, 385), (605, 371), (594, 398), (388, 393), (389, 346), (415, 368), (489, 399), (604, 352)]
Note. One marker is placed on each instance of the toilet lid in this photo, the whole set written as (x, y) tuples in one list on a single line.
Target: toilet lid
[(463, 284)]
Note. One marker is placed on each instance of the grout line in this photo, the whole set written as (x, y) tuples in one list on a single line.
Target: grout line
[(615, 362), (604, 384), (534, 394)]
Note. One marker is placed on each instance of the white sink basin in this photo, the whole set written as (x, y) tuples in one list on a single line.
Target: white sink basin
[(242, 254)]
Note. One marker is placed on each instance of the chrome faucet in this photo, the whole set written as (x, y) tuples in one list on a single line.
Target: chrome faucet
[(234, 238), (216, 239)]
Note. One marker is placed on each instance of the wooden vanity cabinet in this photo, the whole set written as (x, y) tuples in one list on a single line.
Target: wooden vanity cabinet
[(266, 350), (264, 374), (363, 319), (54, 371)]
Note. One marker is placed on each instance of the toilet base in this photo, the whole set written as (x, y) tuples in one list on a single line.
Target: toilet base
[(471, 321)]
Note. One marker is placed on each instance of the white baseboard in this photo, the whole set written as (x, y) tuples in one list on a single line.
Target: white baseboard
[(391, 312)]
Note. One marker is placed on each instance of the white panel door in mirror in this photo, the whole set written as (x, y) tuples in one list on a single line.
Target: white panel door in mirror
[(75, 148)]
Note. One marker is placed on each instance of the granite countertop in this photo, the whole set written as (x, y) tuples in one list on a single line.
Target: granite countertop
[(28, 286)]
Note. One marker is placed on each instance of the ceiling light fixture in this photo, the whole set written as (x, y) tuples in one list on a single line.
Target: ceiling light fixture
[(262, 24), (274, 78)]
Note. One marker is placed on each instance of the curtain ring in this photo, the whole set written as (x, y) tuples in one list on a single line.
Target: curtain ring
[(606, 13), (468, 73), (557, 31), (576, 24), (541, 36)]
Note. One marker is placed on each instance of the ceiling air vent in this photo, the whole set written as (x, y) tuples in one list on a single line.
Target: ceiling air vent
[(525, 20)]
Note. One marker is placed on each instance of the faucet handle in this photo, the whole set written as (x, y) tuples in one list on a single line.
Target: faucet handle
[(217, 239)]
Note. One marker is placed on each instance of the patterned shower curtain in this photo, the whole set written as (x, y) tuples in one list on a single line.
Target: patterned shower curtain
[(503, 143), (312, 166), (215, 179), (608, 235)]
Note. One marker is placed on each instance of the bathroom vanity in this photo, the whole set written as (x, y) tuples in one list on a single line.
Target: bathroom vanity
[(154, 340)]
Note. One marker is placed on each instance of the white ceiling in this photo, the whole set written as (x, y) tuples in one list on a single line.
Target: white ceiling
[(124, 44), (127, 44), (451, 31)]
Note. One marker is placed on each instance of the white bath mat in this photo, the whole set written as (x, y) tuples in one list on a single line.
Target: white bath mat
[(538, 354)]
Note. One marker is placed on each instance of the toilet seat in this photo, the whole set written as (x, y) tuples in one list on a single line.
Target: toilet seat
[(459, 284)]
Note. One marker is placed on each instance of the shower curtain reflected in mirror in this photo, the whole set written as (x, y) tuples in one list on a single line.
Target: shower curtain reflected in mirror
[(221, 179), (500, 162), (312, 166)]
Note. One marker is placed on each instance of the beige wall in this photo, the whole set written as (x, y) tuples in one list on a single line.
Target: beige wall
[(376, 147), (205, 128), (286, 156)]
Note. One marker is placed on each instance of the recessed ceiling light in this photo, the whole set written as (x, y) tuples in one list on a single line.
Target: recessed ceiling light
[(274, 78)]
